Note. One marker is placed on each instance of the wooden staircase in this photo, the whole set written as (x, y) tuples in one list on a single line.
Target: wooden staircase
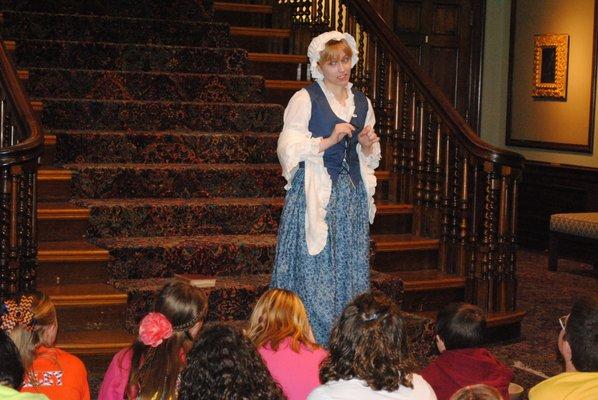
[(74, 272)]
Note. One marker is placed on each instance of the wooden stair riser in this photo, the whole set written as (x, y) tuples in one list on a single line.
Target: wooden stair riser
[(432, 299), (91, 317), (62, 229), (391, 223), (277, 45), (406, 260), (254, 15), (55, 189), (290, 70), (65, 272)]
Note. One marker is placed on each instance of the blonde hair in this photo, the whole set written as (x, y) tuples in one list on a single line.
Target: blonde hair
[(477, 392), (29, 338), (280, 314), (334, 50)]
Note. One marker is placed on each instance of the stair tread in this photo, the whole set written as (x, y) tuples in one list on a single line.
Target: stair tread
[(53, 174), (161, 166), (276, 57), (115, 44), (286, 84), (79, 341), (241, 7), (55, 132), (70, 251), (84, 294), (62, 210), (400, 241), (259, 32)]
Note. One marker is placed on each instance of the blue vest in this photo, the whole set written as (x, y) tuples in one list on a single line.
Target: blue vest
[(321, 124)]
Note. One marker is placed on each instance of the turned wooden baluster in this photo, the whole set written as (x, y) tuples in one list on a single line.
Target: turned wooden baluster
[(471, 282), (418, 214), (412, 144), (486, 292), (502, 247), (512, 257), (13, 253), (463, 211), (5, 183), (437, 191), (404, 151), (428, 175), (443, 253), (453, 204)]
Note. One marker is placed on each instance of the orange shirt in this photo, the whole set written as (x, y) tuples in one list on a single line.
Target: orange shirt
[(57, 374)]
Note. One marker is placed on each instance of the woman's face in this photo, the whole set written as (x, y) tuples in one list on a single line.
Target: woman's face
[(337, 70)]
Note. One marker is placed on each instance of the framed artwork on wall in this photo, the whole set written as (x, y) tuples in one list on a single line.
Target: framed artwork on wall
[(551, 55), (552, 77)]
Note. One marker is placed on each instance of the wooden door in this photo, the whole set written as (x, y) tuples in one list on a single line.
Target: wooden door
[(445, 36)]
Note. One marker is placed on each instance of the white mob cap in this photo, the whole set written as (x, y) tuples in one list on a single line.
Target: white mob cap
[(319, 42)]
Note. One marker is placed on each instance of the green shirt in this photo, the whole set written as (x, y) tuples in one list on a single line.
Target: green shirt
[(7, 393)]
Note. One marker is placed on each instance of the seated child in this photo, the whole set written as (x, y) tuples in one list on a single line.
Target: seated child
[(30, 321), (151, 367), (12, 372), (279, 329), (462, 360), (224, 364), (368, 357), (477, 392)]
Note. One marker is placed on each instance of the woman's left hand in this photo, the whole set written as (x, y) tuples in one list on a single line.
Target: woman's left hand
[(367, 137)]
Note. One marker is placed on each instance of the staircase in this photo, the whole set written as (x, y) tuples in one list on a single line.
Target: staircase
[(161, 125)]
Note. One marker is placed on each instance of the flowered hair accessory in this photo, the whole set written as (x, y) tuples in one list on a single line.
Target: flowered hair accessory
[(319, 43), (154, 329), (15, 313)]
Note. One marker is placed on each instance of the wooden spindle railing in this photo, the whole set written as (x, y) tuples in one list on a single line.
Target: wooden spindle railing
[(21, 145), (463, 190)]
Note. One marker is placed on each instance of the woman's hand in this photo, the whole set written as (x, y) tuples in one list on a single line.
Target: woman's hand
[(367, 138), (338, 133)]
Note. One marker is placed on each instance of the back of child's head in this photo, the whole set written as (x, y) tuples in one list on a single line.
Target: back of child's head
[(30, 321), (369, 343), (11, 367), (164, 335), (224, 364), (279, 314), (477, 392), (461, 326), (581, 332)]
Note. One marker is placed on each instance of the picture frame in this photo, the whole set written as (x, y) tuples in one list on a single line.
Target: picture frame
[(551, 56)]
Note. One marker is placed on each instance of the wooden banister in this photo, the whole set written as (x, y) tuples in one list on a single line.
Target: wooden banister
[(21, 146)]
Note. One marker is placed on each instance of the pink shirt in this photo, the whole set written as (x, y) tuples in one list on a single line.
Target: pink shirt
[(117, 376), (297, 373)]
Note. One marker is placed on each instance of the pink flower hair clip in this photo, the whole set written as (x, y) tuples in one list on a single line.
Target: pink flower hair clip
[(154, 329)]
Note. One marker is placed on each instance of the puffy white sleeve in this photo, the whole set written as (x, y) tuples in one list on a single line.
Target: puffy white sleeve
[(368, 164), (295, 143)]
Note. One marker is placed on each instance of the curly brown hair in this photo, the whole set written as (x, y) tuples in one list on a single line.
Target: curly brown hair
[(224, 364), (369, 343)]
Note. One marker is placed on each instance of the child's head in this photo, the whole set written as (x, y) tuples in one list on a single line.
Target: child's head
[(30, 321), (279, 314), (224, 364), (369, 343), (164, 335), (460, 326), (477, 392), (11, 367)]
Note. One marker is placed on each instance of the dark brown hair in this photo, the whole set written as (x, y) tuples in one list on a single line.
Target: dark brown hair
[(155, 370), (369, 343), (582, 334), (461, 326)]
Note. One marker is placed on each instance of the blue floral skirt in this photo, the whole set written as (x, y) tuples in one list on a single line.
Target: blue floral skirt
[(329, 280)]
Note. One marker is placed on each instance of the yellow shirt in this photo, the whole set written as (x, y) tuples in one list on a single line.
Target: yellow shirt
[(567, 386)]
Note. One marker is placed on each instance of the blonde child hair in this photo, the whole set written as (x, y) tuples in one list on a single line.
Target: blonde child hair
[(30, 321), (280, 314)]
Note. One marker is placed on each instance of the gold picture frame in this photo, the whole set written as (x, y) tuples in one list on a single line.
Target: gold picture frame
[(551, 53)]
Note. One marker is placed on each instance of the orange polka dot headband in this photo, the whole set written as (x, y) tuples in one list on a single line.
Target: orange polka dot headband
[(15, 313)]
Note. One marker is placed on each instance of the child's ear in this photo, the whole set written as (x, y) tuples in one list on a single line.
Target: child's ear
[(440, 344)]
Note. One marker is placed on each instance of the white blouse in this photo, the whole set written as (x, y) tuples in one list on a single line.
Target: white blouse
[(296, 144), (359, 390)]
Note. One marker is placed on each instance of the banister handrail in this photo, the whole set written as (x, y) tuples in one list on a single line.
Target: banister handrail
[(32, 146), (377, 26)]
